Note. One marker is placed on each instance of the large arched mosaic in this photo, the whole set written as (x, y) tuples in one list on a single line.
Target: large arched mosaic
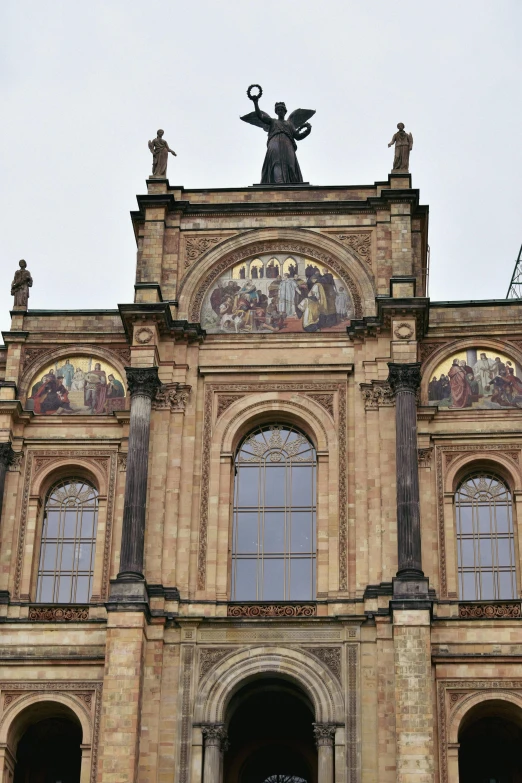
[(76, 384), (277, 292)]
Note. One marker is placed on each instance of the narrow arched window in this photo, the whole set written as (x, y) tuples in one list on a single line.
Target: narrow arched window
[(273, 549), (68, 543), (485, 540)]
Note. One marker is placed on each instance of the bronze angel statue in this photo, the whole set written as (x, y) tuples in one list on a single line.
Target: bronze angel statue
[(280, 166)]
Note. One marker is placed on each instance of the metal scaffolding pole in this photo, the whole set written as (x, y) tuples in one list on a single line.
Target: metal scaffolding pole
[(515, 287)]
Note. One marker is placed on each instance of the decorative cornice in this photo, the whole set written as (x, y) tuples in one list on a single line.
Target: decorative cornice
[(377, 394), (272, 610), (404, 377), (324, 734), (171, 396), (489, 611), (389, 308), (143, 381)]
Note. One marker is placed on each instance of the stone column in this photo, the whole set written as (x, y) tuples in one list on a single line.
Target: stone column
[(325, 739), (215, 741), (6, 457), (405, 380), (143, 383)]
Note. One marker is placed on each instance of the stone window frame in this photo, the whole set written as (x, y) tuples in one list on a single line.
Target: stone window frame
[(243, 415), (454, 464), (43, 470)]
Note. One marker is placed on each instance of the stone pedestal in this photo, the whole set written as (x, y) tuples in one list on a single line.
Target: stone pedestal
[(143, 383), (325, 741)]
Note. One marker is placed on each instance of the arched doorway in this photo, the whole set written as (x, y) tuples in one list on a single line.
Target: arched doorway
[(270, 735), (490, 739), (45, 742)]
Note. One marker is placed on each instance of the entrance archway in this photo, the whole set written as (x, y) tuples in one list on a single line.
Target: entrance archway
[(490, 739), (50, 751), (270, 735)]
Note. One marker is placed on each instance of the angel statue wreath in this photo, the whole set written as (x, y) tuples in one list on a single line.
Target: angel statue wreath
[(280, 166)]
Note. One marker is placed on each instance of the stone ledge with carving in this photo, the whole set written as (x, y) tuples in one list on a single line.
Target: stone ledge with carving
[(486, 611), (171, 396), (377, 394), (58, 614), (272, 610)]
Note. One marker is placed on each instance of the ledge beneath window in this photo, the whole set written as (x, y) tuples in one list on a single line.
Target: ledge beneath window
[(275, 609), (58, 614), (489, 610)]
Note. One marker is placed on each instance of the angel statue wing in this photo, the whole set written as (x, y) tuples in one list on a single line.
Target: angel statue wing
[(253, 119), (300, 116)]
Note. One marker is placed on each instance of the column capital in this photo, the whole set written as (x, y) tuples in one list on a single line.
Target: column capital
[(215, 734), (143, 381), (324, 734), (404, 377), (6, 454)]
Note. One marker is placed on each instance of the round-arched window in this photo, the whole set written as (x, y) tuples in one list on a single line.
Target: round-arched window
[(274, 518), (485, 540), (68, 543)]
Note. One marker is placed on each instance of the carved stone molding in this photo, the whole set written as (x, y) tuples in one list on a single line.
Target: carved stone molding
[(143, 381), (122, 462), (324, 733), (16, 462), (426, 349), (330, 656), (224, 401), (87, 694), (242, 389), (271, 610), (425, 456), (187, 659), (360, 243), (444, 456), (58, 614), (377, 394), (215, 734), (326, 401), (171, 396), (210, 656), (352, 718), (403, 331), (404, 377), (489, 611), (196, 246), (35, 462), (143, 335), (275, 246)]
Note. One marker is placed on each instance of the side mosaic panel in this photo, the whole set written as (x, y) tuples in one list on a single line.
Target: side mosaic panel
[(77, 385), (476, 378)]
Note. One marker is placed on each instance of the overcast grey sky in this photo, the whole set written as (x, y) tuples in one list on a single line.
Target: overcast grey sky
[(85, 85)]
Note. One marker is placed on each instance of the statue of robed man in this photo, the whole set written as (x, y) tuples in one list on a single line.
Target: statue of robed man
[(280, 166), (20, 286), (160, 154)]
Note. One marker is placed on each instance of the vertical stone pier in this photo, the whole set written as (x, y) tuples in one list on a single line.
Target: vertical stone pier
[(6, 457)]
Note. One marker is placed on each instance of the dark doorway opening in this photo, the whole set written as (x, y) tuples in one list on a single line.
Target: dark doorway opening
[(49, 752), (270, 731), (491, 744)]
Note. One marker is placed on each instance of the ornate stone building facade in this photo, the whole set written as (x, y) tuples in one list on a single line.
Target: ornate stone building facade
[(262, 523)]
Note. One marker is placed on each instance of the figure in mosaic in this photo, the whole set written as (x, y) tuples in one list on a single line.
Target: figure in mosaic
[(403, 145), (20, 286), (160, 153), (280, 166)]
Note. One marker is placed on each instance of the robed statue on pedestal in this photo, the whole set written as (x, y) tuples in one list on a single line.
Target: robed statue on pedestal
[(280, 166)]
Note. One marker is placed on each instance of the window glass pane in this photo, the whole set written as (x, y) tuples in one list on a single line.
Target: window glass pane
[(486, 554), (273, 580), (303, 489), (274, 538), (66, 563), (503, 521), (469, 592), (64, 589), (486, 580), (88, 520), (248, 481), (303, 532), (46, 589), (69, 528), (51, 524), (467, 552), (82, 590), (507, 587), (245, 580), (484, 519), (505, 553), (83, 556), (275, 485), (465, 519), (300, 579), (246, 532), (49, 558)]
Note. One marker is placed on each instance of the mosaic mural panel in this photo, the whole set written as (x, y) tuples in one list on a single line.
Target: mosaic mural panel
[(77, 385), (476, 378), (277, 293)]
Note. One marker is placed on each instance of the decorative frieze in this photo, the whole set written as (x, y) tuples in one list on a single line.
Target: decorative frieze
[(360, 243), (326, 401), (489, 611), (330, 656), (196, 246), (171, 396), (377, 394), (210, 656), (58, 614), (272, 610)]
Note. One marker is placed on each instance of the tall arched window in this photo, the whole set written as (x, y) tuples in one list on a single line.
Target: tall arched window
[(273, 550), (68, 543), (485, 541)]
